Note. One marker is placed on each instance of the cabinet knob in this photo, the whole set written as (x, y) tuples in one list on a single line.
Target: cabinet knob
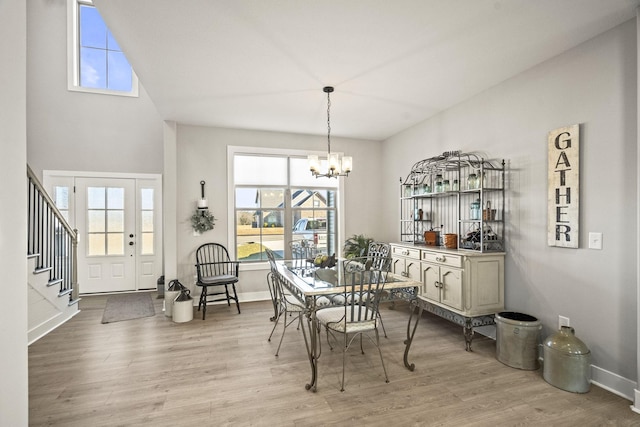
[(441, 259)]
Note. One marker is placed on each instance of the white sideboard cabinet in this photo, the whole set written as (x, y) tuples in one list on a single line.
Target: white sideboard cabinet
[(452, 240)]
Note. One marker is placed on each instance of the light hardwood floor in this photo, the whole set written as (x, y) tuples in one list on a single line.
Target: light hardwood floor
[(222, 371)]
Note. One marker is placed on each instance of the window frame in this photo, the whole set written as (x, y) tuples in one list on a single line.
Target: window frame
[(73, 56), (231, 208)]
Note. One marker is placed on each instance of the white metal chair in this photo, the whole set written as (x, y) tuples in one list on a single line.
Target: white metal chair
[(303, 252), (285, 305), (358, 316), (379, 254)]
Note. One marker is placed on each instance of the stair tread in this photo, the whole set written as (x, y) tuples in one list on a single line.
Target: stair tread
[(54, 282)]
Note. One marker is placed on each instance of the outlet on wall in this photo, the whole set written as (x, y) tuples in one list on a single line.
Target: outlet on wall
[(563, 321)]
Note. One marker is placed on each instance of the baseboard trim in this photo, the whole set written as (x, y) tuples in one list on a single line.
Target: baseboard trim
[(636, 406), (254, 296), (40, 331), (243, 297), (614, 383)]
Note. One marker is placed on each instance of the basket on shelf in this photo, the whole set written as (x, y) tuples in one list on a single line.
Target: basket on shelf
[(431, 238), (451, 241)]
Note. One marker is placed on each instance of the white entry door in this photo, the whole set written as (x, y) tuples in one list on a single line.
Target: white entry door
[(105, 217), (119, 223)]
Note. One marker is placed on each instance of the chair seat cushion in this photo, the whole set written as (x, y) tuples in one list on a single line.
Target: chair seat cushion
[(223, 279), (334, 319)]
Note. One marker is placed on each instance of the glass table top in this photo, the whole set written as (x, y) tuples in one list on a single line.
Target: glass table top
[(318, 277)]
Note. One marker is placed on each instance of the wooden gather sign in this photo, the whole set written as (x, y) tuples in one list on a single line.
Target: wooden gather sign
[(564, 187)]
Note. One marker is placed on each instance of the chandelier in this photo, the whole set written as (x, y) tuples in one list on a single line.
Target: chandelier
[(337, 167)]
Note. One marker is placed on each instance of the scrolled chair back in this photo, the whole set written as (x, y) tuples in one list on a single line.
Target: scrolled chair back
[(380, 255), (302, 251)]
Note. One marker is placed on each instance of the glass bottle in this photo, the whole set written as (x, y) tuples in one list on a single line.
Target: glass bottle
[(456, 186), (472, 181), (475, 210), (445, 185), (438, 185)]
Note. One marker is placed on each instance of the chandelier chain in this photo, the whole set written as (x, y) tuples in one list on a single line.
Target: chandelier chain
[(336, 167), (329, 121)]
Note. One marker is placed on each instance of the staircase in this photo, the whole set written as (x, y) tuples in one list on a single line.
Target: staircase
[(52, 263)]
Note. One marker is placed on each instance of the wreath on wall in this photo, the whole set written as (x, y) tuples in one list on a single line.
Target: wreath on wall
[(202, 220)]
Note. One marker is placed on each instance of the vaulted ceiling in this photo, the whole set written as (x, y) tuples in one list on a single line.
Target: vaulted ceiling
[(262, 64)]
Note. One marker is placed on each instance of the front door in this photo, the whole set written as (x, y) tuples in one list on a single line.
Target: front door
[(105, 218), (119, 223)]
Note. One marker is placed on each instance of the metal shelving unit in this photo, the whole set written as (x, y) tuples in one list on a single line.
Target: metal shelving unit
[(440, 194)]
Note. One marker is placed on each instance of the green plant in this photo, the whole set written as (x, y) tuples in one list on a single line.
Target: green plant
[(356, 246), (202, 221)]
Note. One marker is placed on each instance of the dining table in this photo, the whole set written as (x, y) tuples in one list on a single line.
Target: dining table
[(318, 287)]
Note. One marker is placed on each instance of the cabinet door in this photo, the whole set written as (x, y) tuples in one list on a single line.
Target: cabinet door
[(413, 269), (451, 291), (430, 281), (397, 266)]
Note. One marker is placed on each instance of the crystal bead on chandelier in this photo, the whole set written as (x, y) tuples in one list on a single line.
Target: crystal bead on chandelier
[(336, 166)]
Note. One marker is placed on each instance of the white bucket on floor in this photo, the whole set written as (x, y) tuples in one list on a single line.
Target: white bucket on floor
[(183, 311), (169, 297), (183, 307)]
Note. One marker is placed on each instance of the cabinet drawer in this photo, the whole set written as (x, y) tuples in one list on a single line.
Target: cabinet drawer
[(442, 258), (406, 252)]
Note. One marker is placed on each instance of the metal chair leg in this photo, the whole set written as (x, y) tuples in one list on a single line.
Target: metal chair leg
[(386, 377), (382, 324), (277, 320)]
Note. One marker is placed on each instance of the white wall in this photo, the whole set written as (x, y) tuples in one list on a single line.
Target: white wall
[(81, 131), (202, 155), (594, 85), (14, 409)]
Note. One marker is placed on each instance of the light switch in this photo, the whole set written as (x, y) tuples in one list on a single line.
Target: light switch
[(595, 240)]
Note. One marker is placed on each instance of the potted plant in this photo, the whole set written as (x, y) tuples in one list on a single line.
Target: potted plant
[(356, 246)]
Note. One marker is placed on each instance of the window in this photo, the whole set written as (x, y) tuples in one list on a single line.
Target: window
[(61, 200), (282, 205), (96, 62), (105, 221), (147, 220)]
